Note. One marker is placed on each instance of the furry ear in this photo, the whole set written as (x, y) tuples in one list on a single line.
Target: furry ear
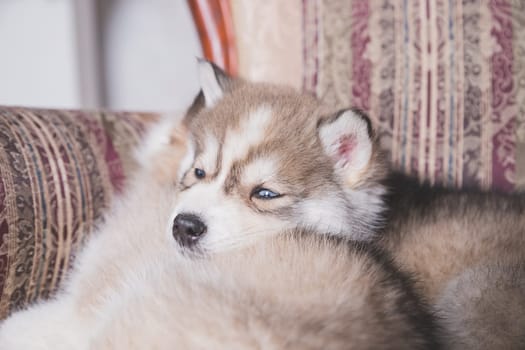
[(347, 137), (163, 133), (214, 82)]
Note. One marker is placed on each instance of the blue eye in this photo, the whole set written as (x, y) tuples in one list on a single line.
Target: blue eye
[(199, 173), (264, 193)]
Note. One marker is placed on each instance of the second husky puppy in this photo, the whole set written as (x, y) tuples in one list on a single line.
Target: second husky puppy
[(225, 242), (467, 250)]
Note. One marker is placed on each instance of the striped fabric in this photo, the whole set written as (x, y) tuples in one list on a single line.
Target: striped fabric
[(444, 80), (58, 171)]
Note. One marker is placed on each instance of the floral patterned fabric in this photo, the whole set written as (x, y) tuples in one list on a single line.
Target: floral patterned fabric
[(444, 81), (58, 171)]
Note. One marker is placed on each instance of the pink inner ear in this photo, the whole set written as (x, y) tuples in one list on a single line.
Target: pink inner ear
[(347, 144)]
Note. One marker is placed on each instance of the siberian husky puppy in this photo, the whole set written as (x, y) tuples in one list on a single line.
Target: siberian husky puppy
[(467, 251), (246, 227)]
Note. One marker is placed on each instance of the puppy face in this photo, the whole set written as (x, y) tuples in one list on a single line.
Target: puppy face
[(264, 159)]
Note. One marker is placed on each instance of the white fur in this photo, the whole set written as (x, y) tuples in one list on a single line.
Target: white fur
[(260, 171), (367, 209), (52, 325), (209, 84), (188, 158), (230, 222), (251, 132), (354, 216), (207, 161), (326, 214), (156, 138)]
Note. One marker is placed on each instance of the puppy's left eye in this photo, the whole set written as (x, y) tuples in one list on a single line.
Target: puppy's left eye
[(199, 173), (264, 193)]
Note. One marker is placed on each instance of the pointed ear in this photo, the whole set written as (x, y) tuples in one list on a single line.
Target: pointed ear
[(347, 137), (165, 133), (214, 82)]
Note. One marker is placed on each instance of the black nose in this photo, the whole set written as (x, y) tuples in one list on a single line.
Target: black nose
[(187, 229)]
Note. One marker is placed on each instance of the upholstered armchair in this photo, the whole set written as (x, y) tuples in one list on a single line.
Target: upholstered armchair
[(443, 81)]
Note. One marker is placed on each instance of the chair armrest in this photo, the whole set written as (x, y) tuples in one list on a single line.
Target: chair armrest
[(58, 171)]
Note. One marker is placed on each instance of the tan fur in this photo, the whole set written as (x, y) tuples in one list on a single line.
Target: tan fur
[(482, 308), (441, 247), (467, 251)]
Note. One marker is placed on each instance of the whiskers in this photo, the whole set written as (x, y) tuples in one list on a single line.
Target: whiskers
[(247, 237)]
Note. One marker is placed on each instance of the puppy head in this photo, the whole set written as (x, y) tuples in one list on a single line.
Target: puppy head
[(261, 159)]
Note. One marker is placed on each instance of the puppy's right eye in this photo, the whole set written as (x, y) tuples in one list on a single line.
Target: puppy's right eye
[(264, 193), (199, 173)]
